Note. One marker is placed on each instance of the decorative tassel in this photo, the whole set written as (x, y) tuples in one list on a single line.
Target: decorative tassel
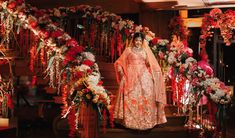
[(32, 58), (42, 56), (64, 94)]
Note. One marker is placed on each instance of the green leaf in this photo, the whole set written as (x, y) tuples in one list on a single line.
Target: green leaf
[(39, 47), (51, 61), (80, 26)]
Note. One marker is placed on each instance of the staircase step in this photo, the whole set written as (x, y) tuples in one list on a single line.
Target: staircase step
[(109, 82), (171, 109), (100, 58), (108, 75), (176, 120), (103, 66), (164, 132)]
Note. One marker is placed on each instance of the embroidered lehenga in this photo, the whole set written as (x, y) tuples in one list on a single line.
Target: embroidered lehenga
[(141, 97)]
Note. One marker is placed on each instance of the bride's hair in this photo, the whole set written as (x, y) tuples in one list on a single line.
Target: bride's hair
[(138, 34)]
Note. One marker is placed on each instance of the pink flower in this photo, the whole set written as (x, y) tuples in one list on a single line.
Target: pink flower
[(208, 90), (161, 55), (189, 51)]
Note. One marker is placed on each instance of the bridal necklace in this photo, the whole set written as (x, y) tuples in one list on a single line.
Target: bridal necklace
[(135, 48)]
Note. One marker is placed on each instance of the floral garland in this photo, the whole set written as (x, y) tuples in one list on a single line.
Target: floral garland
[(80, 72), (201, 83), (216, 19)]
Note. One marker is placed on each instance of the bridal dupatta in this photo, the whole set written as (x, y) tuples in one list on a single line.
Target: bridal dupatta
[(159, 85)]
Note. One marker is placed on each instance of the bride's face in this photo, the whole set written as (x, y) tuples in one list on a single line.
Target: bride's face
[(138, 42)]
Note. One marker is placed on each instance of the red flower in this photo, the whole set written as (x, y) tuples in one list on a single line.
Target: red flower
[(9, 101), (79, 74), (72, 42), (154, 40), (33, 23), (181, 69), (85, 90), (11, 5), (57, 33), (78, 49), (44, 34), (208, 90), (88, 62), (100, 82), (89, 71), (127, 32)]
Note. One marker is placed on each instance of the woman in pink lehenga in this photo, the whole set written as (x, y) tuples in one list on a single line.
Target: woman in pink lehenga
[(141, 97)]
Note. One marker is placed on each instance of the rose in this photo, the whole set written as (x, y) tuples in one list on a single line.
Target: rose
[(71, 42), (88, 62), (79, 74), (56, 33), (32, 23), (11, 5)]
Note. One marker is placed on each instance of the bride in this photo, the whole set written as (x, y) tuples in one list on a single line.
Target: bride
[(141, 96)]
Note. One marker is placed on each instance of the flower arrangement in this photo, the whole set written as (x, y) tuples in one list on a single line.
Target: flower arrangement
[(218, 20), (5, 98), (178, 28)]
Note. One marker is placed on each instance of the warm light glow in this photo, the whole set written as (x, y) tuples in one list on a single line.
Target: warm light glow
[(193, 22), (213, 1), (158, 0)]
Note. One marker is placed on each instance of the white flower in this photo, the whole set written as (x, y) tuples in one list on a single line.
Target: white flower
[(84, 68), (121, 24), (57, 12), (190, 60), (219, 93), (138, 28), (89, 56), (92, 82), (163, 42)]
